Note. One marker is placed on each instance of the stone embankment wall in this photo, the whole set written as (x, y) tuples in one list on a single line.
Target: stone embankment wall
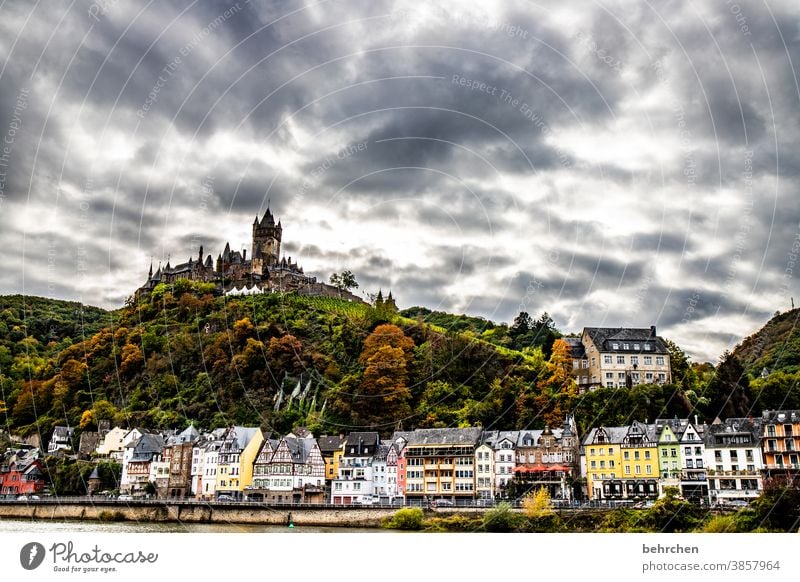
[(198, 513)]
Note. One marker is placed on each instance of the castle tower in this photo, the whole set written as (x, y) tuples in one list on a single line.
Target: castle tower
[(266, 242)]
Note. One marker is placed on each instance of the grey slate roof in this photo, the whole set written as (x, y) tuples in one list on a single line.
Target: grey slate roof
[(444, 436), (605, 337), (726, 433), (576, 347), (237, 437), (361, 439), (615, 434), (329, 444), (146, 446)]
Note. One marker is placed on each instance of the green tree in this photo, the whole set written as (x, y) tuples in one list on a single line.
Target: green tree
[(728, 391), (344, 281)]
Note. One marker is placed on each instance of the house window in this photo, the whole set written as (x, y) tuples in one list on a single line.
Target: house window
[(610, 384), (626, 455), (614, 346), (662, 377), (659, 360), (771, 430), (609, 375), (664, 453), (621, 375), (626, 346), (607, 359), (635, 360), (647, 455), (647, 347), (620, 359), (648, 360), (638, 469), (584, 363), (610, 450), (636, 347), (635, 455)]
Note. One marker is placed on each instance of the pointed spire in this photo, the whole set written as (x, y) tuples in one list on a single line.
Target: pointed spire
[(150, 273)]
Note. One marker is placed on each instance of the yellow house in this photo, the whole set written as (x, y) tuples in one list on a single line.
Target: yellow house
[(603, 452), (237, 453), (332, 449), (640, 465)]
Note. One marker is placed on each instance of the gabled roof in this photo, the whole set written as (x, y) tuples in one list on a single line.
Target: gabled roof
[(493, 438), (614, 434), (63, 432), (146, 446), (238, 437)]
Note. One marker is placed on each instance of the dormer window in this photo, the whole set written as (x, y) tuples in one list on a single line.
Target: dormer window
[(647, 347), (614, 346)]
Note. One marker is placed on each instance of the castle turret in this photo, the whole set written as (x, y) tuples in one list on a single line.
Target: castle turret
[(266, 243)]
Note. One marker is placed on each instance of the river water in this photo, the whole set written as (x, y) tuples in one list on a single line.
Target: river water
[(42, 526)]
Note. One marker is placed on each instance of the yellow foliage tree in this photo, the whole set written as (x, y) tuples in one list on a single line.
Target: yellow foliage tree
[(87, 418), (537, 503)]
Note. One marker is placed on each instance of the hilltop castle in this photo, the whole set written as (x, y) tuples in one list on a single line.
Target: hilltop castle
[(234, 274)]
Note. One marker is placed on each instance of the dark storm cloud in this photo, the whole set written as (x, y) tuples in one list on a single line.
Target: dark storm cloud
[(256, 110)]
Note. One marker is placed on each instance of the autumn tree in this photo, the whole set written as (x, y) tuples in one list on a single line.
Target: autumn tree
[(384, 397), (557, 389), (537, 503)]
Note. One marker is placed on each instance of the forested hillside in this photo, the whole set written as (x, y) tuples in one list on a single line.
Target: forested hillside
[(184, 355)]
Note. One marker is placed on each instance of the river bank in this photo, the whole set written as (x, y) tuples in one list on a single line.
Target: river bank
[(197, 513), (35, 526)]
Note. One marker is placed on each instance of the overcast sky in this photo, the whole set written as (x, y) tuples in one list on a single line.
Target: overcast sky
[(612, 163)]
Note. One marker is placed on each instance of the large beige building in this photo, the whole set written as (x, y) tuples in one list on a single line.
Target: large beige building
[(617, 357)]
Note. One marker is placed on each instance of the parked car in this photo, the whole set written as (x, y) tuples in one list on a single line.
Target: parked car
[(22, 497), (441, 503), (125, 498), (225, 498)]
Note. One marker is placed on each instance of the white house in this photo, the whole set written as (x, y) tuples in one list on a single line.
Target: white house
[(733, 459), (114, 443), (354, 483), (384, 471), (484, 471)]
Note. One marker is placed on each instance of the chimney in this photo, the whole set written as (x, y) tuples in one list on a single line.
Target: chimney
[(652, 331), (244, 254)]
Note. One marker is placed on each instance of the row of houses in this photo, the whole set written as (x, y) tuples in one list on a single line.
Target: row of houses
[(727, 460), (722, 461)]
